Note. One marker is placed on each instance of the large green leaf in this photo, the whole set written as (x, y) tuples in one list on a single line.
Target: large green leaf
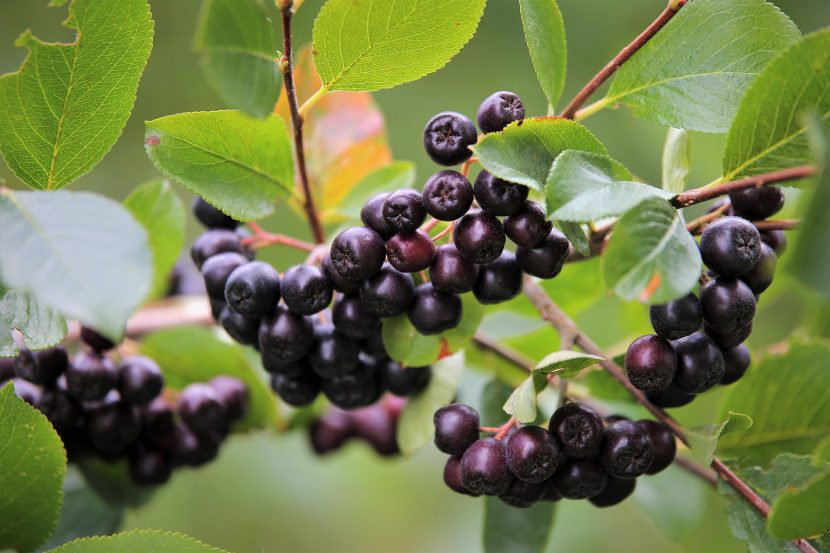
[(545, 36), (34, 464), (524, 152), (651, 256), (238, 164), (769, 131), (41, 326), (239, 51), (68, 103), (375, 44), (693, 73), (137, 541), (676, 160), (79, 253), (748, 525), (703, 440)]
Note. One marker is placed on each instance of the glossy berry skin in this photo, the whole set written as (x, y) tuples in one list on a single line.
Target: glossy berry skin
[(547, 258), (528, 226), (239, 327), (579, 429), (627, 450), (447, 195), (650, 363), (388, 293), (214, 242), (211, 217), (356, 389), (338, 282), (616, 490), (410, 252), (522, 494), (456, 428), (756, 204), (201, 408), (677, 318), (192, 449), (775, 239), (579, 479), (253, 289), (404, 381), (499, 280), (139, 380), (112, 427), (41, 367), (233, 394), (353, 319), (662, 439), (700, 364), (484, 467), (290, 369), (297, 391), (150, 468), (728, 340), (332, 354), (285, 335), (479, 237), (379, 427), (95, 340), (61, 410), (357, 253), (550, 493), (728, 304), (90, 377), (371, 214), (452, 477), (532, 454), (447, 137), (497, 196), (306, 289), (670, 397), (404, 210), (730, 246), (217, 269), (499, 110), (737, 362), (330, 432), (451, 272), (433, 312), (156, 418), (760, 277)]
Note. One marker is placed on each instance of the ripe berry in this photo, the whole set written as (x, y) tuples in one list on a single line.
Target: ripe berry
[(156, 418), (447, 195), (61, 410), (479, 237), (728, 304), (532, 454), (650, 363), (737, 361), (700, 364), (356, 389), (139, 380), (191, 449), (760, 277), (410, 252), (404, 381), (404, 210), (338, 282), (484, 467), (388, 293), (357, 253), (447, 137), (201, 408), (330, 432), (670, 397), (332, 354), (616, 490), (290, 369), (497, 196), (452, 477), (627, 450), (216, 271), (379, 427), (579, 430), (112, 427), (775, 239), (41, 367), (730, 246), (677, 318), (522, 494), (547, 258), (90, 377), (456, 428), (451, 272), (285, 335), (233, 394), (239, 327), (94, 340), (528, 226), (150, 468), (756, 204), (253, 289), (499, 110), (550, 493), (214, 242), (433, 312), (6, 369), (305, 289), (373, 345), (211, 217), (728, 340), (664, 444), (353, 319), (372, 216), (297, 391), (579, 479), (499, 280), (216, 307)]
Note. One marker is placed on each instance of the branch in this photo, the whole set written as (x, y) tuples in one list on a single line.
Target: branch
[(262, 238), (699, 195)]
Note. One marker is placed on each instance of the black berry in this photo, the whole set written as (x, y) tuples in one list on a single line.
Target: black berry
[(377, 424), (499, 280), (737, 361), (484, 467), (357, 253), (61, 410), (253, 289), (150, 468), (214, 242), (112, 427), (356, 389), (388, 293), (201, 408), (760, 277), (331, 431), (451, 272), (372, 216), (728, 304), (730, 246), (297, 391), (338, 282), (670, 397), (452, 476), (547, 258), (728, 340), (456, 428), (522, 494), (95, 340), (532, 454), (332, 354), (41, 367), (479, 237), (306, 290), (665, 447), (156, 418), (433, 312), (677, 318), (404, 381), (650, 363), (615, 491), (528, 226), (139, 380), (291, 369), (447, 195), (775, 239), (447, 137), (353, 319), (499, 110), (756, 204), (90, 376), (285, 335), (404, 210), (233, 394), (497, 196), (217, 269), (700, 364), (243, 329), (211, 217), (578, 428), (627, 450), (410, 252), (579, 479)]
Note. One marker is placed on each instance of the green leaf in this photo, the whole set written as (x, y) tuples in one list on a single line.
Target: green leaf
[(801, 510), (399, 174), (651, 255), (79, 253), (584, 187), (566, 364), (416, 427), (679, 80), (137, 541), (190, 354), (34, 464), (238, 164), (156, 206), (576, 236), (748, 525), (522, 402), (68, 103), (41, 326), (524, 152), (376, 44), (676, 160), (769, 132), (603, 386), (492, 399), (110, 480), (239, 54), (517, 530), (545, 36), (471, 316), (786, 397), (703, 440), (657, 499)]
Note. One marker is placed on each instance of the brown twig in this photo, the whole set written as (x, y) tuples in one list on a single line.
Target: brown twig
[(262, 238), (505, 352), (698, 224), (779, 224), (699, 195)]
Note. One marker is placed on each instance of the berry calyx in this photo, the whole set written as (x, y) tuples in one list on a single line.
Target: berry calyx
[(404, 210), (730, 246), (339, 282), (253, 289), (447, 137), (627, 450), (447, 195), (532, 454), (578, 429), (357, 253), (306, 289)]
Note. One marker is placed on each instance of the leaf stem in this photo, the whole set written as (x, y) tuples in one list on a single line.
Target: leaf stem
[(591, 109), (711, 191), (262, 238), (312, 101)]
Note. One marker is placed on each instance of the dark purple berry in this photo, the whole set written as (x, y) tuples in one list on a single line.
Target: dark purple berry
[(760, 277), (499, 110), (447, 195), (410, 252), (156, 418), (670, 397), (627, 450), (578, 428), (217, 269), (456, 428), (728, 340), (338, 282), (728, 304), (677, 318), (730, 246), (579, 479), (192, 449), (484, 467), (372, 216), (388, 293), (775, 239), (233, 394), (41, 367), (285, 335), (499, 280), (452, 476), (150, 468), (113, 427), (650, 363), (332, 354), (737, 361), (90, 377), (528, 226), (356, 389), (61, 410), (404, 210), (330, 432), (433, 312), (139, 380), (700, 364), (522, 494), (373, 345), (95, 340), (201, 408), (290, 369), (6, 369), (665, 446), (211, 217), (447, 137), (404, 381), (353, 319), (451, 272), (357, 253), (297, 391), (306, 290), (239, 327), (214, 242), (615, 491), (547, 258), (756, 204), (253, 289), (532, 454), (379, 427), (479, 237), (497, 196)]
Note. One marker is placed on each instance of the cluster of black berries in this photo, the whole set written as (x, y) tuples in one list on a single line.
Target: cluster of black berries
[(118, 411), (344, 358), (699, 341), (376, 424), (579, 456)]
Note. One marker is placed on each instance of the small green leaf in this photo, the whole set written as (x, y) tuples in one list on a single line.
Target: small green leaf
[(110, 480), (566, 364), (376, 44), (34, 465), (524, 152), (137, 541), (576, 236), (545, 36), (515, 530), (238, 164), (491, 402), (41, 326), (801, 511), (676, 160), (703, 440), (399, 174), (522, 402)]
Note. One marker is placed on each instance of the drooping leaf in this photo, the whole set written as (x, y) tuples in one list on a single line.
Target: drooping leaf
[(376, 44), (524, 152), (517, 530), (800, 510), (657, 499), (576, 236), (81, 254), (239, 54), (137, 541), (651, 256), (545, 36), (400, 174), (680, 80), (41, 326), (703, 440), (676, 160), (522, 402), (492, 399), (238, 164), (68, 103), (110, 481), (566, 363), (34, 465)]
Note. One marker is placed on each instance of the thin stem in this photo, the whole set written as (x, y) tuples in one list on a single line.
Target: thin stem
[(312, 101), (505, 352), (591, 109), (444, 232), (708, 192), (262, 238), (698, 224), (779, 224), (465, 167), (429, 225)]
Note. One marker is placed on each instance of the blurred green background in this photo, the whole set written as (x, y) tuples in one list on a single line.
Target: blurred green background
[(268, 492)]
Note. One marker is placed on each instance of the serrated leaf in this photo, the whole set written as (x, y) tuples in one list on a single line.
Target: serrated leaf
[(68, 103), (238, 164), (769, 132), (41, 326), (651, 256), (676, 160), (545, 36), (400, 174), (522, 402), (239, 54), (79, 253), (703, 440), (137, 541), (566, 363), (376, 44), (517, 530), (156, 206), (681, 81), (576, 236), (801, 510), (416, 427), (748, 525), (110, 480), (524, 152), (584, 187), (34, 465)]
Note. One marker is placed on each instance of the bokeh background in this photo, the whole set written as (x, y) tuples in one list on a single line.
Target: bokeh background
[(267, 492)]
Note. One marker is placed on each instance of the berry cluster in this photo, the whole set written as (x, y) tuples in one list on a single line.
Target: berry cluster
[(376, 424), (116, 411), (579, 456)]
